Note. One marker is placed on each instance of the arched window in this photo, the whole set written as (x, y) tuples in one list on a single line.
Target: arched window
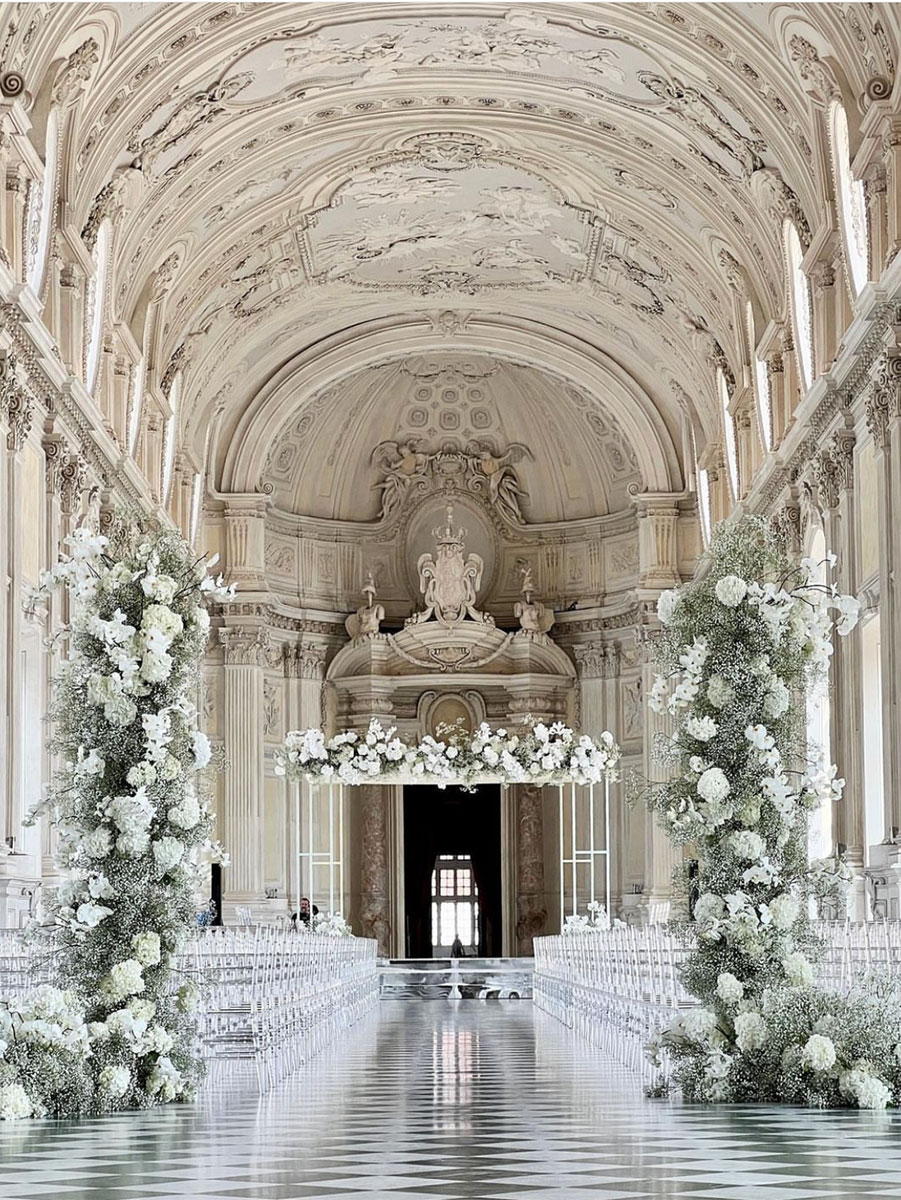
[(761, 383), (41, 219), (96, 303), (800, 298), (729, 436), (819, 838), (170, 438), (852, 205)]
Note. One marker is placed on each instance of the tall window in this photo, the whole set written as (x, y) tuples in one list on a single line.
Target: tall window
[(704, 504), (171, 431), (761, 383), (41, 219), (729, 435), (852, 205), (96, 304), (871, 672), (800, 297), (455, 904)]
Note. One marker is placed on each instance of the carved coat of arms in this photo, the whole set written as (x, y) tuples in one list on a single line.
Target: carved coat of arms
[(449, 582)]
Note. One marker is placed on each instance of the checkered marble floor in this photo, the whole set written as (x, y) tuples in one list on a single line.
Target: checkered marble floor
[(454, 1101)]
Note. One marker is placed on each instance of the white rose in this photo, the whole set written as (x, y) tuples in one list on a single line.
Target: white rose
[(731, 590), (666, 605)]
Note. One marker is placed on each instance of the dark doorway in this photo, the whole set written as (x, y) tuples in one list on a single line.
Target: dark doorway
[(459, 823)]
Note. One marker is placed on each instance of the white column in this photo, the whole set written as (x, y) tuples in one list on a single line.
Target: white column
[(241, 820)]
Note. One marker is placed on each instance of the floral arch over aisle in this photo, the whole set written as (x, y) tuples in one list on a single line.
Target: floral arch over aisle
[(537, 754)]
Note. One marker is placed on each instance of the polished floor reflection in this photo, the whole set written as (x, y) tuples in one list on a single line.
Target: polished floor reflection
[(461, 1099)]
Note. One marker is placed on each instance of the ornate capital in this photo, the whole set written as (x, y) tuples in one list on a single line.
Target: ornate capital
[(883, 401), (304, 661), (244, 646), (597, 660), (16, 402)]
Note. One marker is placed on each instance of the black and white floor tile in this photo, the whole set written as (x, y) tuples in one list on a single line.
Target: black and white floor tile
[(454, 1101)]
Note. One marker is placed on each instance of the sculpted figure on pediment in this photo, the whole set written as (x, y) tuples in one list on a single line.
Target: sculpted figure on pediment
[(404, 466)]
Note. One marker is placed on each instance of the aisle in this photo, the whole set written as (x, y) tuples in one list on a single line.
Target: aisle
[(434, 1100)]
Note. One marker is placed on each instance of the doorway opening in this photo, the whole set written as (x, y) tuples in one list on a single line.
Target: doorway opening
[(452, 870), (455, 905)]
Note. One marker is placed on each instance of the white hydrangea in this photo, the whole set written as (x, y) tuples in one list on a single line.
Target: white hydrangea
[(818, 1053), (165, 1080), (798, 970), (747, 844), (134, 843), (130, 813), (126, 978), (777, 700), (719, 692), (114, 1080), (168, 853), (731, 590), (783, 911), (14, 1103), (702, 729), (713, 785), (698, 1024), (159, 618), (666, 605), (866, 1088), (98, 843), (730, 989), (141, 774), (708, 909), (185, 814), (147, 948), (750, 1031)]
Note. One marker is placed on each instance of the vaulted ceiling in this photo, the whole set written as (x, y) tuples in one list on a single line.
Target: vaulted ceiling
[(577, 197)]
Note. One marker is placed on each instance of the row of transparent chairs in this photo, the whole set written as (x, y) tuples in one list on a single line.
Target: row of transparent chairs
[(276, 997), (620, 987), (616, 989)]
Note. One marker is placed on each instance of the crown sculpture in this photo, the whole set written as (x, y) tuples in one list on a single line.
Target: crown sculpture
[(450, 583)]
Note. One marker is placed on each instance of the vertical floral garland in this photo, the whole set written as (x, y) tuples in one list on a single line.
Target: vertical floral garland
[(742, 645), (131, 821)]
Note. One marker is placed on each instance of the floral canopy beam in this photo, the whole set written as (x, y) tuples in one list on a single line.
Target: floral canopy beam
[(540, 754)]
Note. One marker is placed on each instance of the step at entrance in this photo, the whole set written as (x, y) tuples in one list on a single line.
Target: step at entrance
[(457, 978)]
